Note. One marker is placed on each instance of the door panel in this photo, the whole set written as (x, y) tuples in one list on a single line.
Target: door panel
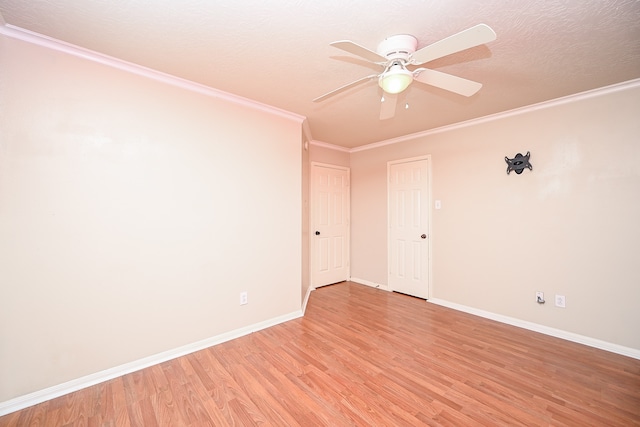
[(330, 224), (408, 191)]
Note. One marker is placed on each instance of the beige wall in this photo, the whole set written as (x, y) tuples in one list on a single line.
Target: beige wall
[(328, 155), (306, 248), (132, 215), (128, 221), (568, 227)]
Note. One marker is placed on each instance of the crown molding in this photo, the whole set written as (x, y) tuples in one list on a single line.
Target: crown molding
[(330, 146), (510, 113), (80, 52), (58, 45)]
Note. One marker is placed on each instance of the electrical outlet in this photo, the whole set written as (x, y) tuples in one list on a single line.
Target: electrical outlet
[(540, 297), (244, 298), (561, 301)]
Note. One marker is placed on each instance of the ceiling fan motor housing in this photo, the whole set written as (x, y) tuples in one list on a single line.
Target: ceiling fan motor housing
[(398, 47)]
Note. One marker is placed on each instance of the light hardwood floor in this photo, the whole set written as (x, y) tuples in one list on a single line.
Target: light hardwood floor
[(366, 357)]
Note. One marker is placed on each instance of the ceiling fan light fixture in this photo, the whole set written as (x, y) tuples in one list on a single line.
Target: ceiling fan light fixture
[(396, 79)]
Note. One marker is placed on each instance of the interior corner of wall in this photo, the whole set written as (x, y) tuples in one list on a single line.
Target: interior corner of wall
[(306, 132)]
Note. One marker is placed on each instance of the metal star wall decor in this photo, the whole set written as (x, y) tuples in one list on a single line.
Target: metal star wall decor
[(518, 163)]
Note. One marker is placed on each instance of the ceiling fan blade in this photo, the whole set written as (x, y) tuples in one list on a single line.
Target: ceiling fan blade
[(388, 106), (447, 81), (345, 87), (361, 51), (471, 37)]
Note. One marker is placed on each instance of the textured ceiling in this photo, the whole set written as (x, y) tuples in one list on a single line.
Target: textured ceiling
[(277, 51)]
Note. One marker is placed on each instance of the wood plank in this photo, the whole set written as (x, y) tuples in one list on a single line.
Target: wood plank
[(215, 415), (141, 413), (361, 356)]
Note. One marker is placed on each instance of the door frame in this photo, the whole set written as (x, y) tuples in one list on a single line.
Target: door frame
[(312, 223), (390, 163)]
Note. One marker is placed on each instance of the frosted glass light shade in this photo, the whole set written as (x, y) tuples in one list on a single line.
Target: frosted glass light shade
[(395, 80)]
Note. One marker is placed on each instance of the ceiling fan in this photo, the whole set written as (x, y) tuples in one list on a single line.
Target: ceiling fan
[(396, 53)]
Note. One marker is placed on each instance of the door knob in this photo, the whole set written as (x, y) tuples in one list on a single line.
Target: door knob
[(317, 233), (424, 236)]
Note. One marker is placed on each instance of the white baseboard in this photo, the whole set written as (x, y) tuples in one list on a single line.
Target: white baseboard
[(49, 393), (368, 283), (558, 333)]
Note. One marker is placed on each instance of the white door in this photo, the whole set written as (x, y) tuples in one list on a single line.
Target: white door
[(329, 224), (408, 192)]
